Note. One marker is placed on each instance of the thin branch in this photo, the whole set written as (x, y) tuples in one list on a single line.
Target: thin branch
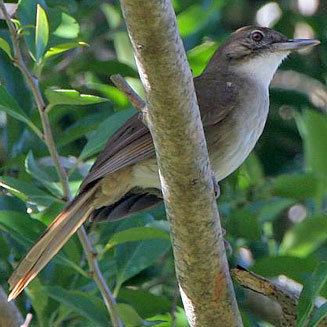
[(173, 118), (132, 96), (33, 84), (295, 81), (287, 300)]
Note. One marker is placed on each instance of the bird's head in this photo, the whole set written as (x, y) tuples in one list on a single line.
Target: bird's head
[(257, 52)]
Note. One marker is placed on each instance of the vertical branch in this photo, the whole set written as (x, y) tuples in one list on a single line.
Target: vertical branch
[(33, 84), (173, 118)]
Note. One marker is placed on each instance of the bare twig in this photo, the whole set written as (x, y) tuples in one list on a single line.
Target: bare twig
[(295, 81), (28, 320), (286, 300), (33, 84), (132, 96)]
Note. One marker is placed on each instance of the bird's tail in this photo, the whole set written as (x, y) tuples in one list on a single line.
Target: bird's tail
[(52, 240)]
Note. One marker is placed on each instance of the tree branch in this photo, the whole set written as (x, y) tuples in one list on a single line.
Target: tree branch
[(286, 300), (174, 121), (33, 84), (295, 81)]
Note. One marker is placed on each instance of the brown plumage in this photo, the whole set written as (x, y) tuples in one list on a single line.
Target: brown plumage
[(233, 99)]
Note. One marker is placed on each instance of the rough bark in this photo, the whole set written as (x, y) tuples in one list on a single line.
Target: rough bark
[(186, 179)]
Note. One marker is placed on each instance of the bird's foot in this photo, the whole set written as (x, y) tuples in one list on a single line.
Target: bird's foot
[(216, 187)]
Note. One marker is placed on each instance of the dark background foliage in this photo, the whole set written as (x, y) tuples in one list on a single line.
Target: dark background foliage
[(273, 207)]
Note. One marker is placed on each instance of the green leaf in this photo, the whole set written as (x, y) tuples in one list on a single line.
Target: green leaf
[(11, 203), (9, 105), (5, 47), (146, 303), (243, 223), (318, 315), (272, 208), (199, 56), (26, 191), (128, 315), (41, 32), (71, 97), (132, 258), (83, 303), (60, 48), (292, 267), (313, 128), (107, 128), (295, 186), (35, 170), (311, 289), (305, 237), (65, 26), (20, 226), (136, 234)]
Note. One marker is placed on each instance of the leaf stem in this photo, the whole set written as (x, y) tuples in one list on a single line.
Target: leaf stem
[(33, 84)]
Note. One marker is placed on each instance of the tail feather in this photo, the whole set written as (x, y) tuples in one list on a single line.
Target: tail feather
[(53, 239)]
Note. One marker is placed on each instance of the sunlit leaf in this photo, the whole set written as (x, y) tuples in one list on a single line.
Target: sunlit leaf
[(71, 97), (41, 32), (311, 289), (305, 237), (61, 48), (5, 47), (199, 56)]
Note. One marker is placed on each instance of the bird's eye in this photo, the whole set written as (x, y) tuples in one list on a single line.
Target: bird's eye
[(257, 36)]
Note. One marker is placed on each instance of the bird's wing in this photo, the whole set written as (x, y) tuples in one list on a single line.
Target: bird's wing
[(216, 98), (130, 144)]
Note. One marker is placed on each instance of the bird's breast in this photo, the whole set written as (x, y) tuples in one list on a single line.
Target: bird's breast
[(232, 140)]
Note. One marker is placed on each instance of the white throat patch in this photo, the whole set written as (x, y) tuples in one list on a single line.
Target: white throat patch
[(262, 68)]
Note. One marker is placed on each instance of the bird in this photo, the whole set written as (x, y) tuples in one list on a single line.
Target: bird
[(233, 98)]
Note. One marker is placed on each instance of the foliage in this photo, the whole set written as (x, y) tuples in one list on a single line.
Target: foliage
[(273, 207)]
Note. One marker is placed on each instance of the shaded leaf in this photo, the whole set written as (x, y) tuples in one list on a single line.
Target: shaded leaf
[(136, 234), (128, 315), (9, 105), (311, 289), (26, 191), (146, 303), (41, 32), (33, 168), (107, 128), (295, 186), (292, 267), (84, 303), (318, 315), (305, 237), (71, 97)]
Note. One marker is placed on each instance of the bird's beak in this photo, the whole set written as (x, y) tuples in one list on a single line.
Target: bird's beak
[(295, 44)]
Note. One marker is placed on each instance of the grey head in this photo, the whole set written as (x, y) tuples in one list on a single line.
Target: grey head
[(255, 52)]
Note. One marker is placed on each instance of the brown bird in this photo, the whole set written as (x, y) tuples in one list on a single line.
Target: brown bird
[(233, 98)]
